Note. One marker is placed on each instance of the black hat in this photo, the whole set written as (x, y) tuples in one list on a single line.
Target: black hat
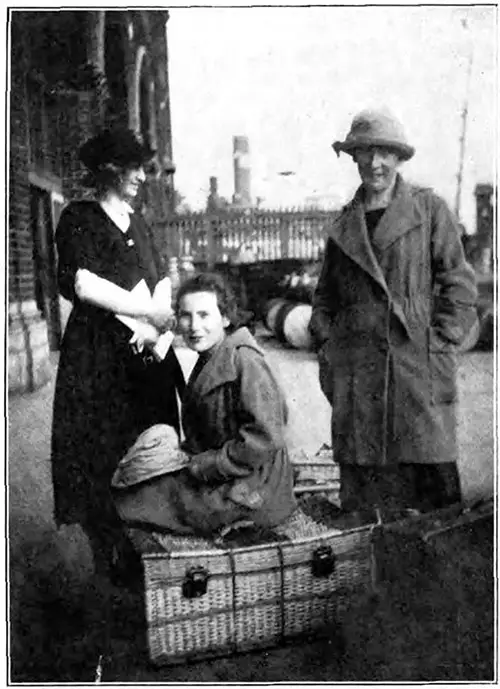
[(118, 146)]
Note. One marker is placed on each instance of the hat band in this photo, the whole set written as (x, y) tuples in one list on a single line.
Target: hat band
[(350, 145)]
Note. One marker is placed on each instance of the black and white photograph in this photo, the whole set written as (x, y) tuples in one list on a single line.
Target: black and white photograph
[(250, 361)]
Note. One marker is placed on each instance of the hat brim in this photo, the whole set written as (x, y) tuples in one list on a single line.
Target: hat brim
[(404, 151)]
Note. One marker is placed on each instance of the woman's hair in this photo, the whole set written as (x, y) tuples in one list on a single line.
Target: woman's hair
[(215, 283), (105, 177), (110, 176)]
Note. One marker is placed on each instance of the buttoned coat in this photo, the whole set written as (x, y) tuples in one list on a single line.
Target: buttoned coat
[(234, 418), (389, 314)]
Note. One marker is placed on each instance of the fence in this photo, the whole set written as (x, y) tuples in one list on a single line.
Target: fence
[(245, 237)]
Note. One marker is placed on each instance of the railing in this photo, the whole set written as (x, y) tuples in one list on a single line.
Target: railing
[(245, 237)]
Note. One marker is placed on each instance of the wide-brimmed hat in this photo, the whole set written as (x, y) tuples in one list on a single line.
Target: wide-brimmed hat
[(376, 128), (118, 146), (155, 452)]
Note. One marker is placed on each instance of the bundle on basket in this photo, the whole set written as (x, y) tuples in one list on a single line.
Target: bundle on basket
[(245, 590)]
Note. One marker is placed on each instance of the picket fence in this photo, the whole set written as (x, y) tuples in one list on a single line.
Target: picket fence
[(245, 237)]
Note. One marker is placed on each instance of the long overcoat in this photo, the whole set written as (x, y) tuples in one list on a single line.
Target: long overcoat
[(105, 395), (234, 418), (388, 316)]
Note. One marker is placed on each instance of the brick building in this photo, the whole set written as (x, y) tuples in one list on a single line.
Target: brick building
[(72, 72)]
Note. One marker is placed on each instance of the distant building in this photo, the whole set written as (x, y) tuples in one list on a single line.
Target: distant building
[(215, 201), (242, 197), (72, 72)]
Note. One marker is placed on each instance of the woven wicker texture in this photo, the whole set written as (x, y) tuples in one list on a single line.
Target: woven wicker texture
[(256, 596)]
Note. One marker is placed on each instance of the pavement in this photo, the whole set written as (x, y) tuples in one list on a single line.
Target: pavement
[(62, 558)]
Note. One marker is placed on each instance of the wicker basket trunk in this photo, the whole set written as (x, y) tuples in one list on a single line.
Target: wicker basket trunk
[(205, 599), (254, 597)]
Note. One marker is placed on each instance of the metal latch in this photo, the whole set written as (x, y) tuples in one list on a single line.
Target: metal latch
[(195, 583), (323, 561)]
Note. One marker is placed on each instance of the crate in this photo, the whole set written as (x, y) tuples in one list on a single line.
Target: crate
[(318, 474), (210, 598), (408, 547)]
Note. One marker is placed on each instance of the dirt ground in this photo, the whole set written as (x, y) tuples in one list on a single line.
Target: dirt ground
[(434, 622)]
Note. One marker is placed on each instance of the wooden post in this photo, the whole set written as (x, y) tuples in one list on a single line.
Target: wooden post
[(209, 229), (284, 230)]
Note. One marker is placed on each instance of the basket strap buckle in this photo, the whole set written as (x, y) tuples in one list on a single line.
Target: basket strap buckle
[(195, 582), (323, 561)]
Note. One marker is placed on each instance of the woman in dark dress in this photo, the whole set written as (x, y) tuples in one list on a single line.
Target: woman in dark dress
[(109, 386)]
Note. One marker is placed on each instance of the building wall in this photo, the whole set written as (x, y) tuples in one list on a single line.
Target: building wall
[(59, 97), (28, 342)]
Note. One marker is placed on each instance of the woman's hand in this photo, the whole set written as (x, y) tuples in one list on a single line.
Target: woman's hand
[(137, 303), (145, 335), (203, 467), (161, 316)]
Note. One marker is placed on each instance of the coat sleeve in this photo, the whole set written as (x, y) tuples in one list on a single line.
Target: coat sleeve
[(261, 431), (322, 303), (454, 313)]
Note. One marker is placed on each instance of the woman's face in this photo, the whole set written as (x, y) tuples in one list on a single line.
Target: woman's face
[(200, 321), (377, 167), (132, 180)]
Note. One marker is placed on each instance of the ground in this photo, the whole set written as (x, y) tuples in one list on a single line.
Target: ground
[(434, 623)]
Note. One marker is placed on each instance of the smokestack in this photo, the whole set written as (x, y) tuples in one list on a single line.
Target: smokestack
[(213, 201), (213, 186), (241, 161)]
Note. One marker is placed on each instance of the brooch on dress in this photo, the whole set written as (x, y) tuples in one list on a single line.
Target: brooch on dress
[(130, 242)]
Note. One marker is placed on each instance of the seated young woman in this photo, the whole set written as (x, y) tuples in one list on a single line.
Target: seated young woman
[(234, 463)]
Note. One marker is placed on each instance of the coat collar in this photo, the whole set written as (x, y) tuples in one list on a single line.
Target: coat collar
[(349, 230), (222, 367), (401, 216)]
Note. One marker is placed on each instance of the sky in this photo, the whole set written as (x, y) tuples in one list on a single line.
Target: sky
[(292, 78)]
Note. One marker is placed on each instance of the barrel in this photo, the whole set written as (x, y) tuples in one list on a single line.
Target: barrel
[(296, 326), (289, 322), (270, 312)]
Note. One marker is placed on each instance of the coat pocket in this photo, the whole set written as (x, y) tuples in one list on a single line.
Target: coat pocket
[(443, 371)]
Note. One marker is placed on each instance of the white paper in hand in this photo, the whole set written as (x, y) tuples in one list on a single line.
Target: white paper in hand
[(163, 291)]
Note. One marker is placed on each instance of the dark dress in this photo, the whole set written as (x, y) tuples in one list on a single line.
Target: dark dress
[(105, 395)]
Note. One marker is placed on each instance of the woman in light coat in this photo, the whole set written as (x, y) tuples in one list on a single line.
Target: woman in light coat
[(234, 414), (394, 302)]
